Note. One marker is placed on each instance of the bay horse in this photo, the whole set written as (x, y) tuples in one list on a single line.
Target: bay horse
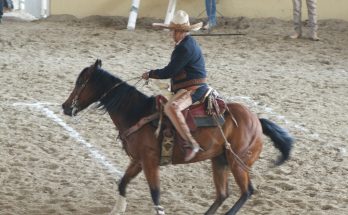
[(126, 106)]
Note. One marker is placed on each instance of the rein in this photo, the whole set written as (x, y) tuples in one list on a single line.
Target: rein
[(75, 102), (138, 125), (117, 85), (150, 118)]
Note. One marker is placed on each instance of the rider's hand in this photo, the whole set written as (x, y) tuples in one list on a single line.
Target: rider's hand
[(145, 75)]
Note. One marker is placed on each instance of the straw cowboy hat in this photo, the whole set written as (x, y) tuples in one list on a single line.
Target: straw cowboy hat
[(180, 22)]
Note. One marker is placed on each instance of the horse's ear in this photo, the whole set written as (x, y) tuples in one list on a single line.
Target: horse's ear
[(98, 63)]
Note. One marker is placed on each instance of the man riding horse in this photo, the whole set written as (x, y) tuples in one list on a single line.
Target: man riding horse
[(132, 111), (187, 73)]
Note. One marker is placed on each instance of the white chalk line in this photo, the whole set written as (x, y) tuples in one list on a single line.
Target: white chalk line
[(74, 134), (102, 159), (254, 103)]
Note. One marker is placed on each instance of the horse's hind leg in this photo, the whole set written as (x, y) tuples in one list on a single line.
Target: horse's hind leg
[(133, 170), (243, 181), (220, 176)]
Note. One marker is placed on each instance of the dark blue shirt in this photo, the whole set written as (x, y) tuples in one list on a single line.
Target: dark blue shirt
[(186, 63)]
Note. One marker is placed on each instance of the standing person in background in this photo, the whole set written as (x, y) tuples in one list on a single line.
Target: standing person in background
[(312, 19), (210, 8), (1, 9), (5, 4)]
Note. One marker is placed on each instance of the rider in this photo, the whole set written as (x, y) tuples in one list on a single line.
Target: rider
[(187, 73)]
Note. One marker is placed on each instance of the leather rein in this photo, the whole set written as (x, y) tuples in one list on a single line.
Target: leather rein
[(75, 101), (130, 130), (148, 119)]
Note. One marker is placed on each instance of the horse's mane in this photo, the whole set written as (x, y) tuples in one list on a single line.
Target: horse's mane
[(125, 100)]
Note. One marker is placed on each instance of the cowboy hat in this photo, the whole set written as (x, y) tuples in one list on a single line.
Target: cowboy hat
[(180, 22)]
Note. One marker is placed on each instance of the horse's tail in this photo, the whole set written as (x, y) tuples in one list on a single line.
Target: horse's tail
[(280, 137)]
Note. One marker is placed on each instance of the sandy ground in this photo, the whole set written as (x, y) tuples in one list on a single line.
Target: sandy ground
[(52, 164)]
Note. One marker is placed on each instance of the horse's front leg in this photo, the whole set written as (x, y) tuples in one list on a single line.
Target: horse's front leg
[(133, 170), (151, 171)]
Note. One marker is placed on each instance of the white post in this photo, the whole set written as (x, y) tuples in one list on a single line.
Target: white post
[(170, 11), (22, 4), (16, 4), (45, 8), (133, 14)]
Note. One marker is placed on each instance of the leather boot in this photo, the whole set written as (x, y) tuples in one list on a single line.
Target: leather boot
[(295, 35), (314, 36), (180, 101), (185, 133), (192, 151)]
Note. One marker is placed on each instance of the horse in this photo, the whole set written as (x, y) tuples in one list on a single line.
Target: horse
[(126, 106)]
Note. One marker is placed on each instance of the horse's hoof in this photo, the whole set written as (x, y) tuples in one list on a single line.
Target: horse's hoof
[(120, 206), (159, 210)]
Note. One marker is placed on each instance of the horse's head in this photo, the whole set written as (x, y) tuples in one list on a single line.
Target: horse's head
[(87, 90)]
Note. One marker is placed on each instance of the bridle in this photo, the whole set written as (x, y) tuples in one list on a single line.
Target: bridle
[(75, 101)]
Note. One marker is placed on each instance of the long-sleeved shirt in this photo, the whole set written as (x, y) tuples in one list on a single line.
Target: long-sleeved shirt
[(186, 65)]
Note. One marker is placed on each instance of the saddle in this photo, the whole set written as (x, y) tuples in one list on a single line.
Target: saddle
[(200, 114), (206, 113)]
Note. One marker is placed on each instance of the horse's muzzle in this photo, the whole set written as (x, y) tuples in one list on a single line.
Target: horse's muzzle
[(67, 110)]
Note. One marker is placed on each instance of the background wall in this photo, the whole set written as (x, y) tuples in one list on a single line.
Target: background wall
[(327, 9)]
